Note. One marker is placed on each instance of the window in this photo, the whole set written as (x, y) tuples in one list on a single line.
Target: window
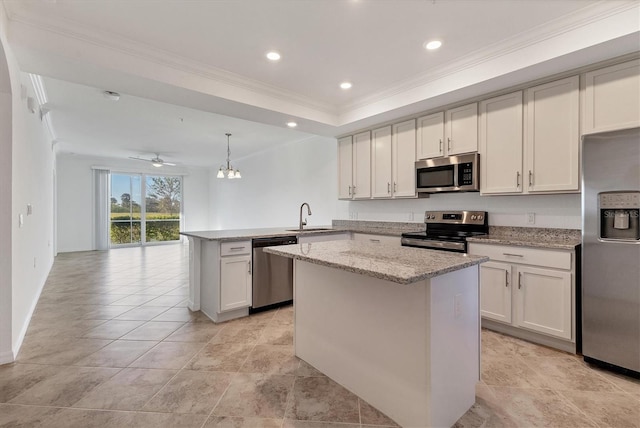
[(157, 219)]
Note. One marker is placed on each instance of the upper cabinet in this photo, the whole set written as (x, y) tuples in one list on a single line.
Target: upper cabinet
[(461, 130), (500, 145), (611, 99), (354, 166), (430, 142), (457, 134), (393, 161), (552, 136)]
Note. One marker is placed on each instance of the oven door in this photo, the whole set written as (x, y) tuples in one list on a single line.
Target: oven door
[(432, 244)]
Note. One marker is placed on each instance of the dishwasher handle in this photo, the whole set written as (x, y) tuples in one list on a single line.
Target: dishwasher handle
[(275, 241)]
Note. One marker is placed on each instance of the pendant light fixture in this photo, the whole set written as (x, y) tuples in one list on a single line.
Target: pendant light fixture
[(228, 172)]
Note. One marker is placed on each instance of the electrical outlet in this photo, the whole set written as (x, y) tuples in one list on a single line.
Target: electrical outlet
[(410, 216), (531, 218), (457, 305)]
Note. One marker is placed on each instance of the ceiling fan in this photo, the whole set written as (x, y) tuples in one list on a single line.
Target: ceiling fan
[(157, 161)]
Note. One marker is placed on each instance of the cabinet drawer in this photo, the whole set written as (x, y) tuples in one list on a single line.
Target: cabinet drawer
[(235, 248), (523, 255), (377, 239)]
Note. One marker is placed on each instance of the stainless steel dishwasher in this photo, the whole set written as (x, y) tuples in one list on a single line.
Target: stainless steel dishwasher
[(272, 275)]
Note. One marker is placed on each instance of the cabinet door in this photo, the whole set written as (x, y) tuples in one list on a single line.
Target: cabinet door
[(462, 129), (495, 291), (381, 162), (431, 136), (345, 167), (404, 159), (235, 282), (501, 144), (611, 98), (362, 166), (552, 136), (544, 301)]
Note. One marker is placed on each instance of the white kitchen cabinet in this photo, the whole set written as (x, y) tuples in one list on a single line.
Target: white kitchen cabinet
[(552, 137), (345, 167), (393, 161), (235, 282), (495, 291), (403, 159), (430, 137), (354, 170), (529, 293), (377, 239), (461, 130), (544, 301), (381, 162), (611, 99), (500, 148)]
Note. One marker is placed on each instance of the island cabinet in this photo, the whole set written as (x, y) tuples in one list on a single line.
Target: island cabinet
[(354, 170), (529, 293), (377, 239), (611, 98), (235, 275), (393, 161)]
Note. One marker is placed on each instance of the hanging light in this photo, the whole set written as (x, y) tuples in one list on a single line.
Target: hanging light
[(228, 172)]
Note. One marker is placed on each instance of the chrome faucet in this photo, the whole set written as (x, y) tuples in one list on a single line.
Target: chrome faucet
[(304, 223)]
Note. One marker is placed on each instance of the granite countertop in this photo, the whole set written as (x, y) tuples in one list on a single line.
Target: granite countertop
[(403, 265), (561, 239), (374, 227)]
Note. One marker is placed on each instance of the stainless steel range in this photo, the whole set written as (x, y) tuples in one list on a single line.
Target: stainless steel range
[(448, 230)]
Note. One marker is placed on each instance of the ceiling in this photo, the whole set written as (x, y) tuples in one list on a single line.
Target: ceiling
[(205, 61)]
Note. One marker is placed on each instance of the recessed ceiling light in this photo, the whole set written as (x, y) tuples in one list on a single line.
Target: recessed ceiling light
[(346, 85), (273, 56), (433, 44), (292, 124)]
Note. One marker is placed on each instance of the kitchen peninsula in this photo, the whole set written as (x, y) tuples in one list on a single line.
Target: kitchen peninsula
[(397, 326)]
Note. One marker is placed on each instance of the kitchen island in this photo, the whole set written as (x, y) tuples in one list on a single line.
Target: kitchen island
[(397, 326)]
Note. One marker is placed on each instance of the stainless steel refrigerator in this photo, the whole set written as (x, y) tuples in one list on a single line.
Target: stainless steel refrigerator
[(611, 248)]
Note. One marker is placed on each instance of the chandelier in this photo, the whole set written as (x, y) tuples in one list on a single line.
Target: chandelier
[(228, 172)]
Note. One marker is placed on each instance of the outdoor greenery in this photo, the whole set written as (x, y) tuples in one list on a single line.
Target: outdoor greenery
[(162, 213)]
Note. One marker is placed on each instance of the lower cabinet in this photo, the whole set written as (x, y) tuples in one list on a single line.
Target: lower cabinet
[(235, 282), (529, 293), (324, 237), (377, 239)]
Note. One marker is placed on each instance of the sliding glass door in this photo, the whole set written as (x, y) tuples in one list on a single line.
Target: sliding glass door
[(138, 221)]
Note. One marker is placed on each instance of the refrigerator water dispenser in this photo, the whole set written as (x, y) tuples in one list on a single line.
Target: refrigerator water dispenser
[(619, 216)]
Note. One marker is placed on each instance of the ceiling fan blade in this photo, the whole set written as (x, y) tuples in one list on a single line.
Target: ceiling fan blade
[(168, 164), (140, 159)]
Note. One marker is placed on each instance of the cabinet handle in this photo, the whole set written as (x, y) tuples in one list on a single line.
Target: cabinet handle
[(249, 263), (448, 143), (440, 145), (389, 188), (517, 179), (374, 240), (530, 178), (353, 190), (519, 280), (395, 186), (506, 275), (236, 248), (512, 254), (349, 190)]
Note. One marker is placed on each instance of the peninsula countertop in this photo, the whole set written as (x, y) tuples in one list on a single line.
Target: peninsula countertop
[(403, 265)]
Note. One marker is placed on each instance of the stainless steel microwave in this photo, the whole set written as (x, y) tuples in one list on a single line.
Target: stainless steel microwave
[(448, 174)]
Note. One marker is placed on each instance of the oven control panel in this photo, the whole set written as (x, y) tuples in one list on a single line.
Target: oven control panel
[(456, 217)]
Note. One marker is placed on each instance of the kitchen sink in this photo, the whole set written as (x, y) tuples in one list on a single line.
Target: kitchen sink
[(309, 229)]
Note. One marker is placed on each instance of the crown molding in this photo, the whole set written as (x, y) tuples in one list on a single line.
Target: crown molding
[(555, 28), (111, 41)]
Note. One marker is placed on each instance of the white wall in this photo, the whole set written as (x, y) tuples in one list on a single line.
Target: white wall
[(32, 183), (75, 203), (275, 183), (554, 211)]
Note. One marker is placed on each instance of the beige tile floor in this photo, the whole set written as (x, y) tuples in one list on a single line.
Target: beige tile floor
[(112, 344)]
